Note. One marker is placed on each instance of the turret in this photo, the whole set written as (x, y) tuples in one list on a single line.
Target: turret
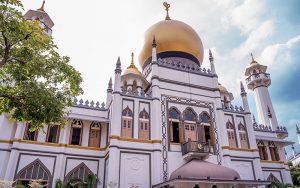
[(109, 93), (258, 80), (118, 71), (42, 16), (298, 133), (211, 60), (244, 98)]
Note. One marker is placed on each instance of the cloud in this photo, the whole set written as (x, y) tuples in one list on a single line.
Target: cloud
[(246, 16), (273, 54), (255, 40)]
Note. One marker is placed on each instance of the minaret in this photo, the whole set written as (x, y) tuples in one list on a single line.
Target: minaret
[(298, 133), (211, 60), (258, 80), (154, 54), (118, 71), (42, 16), (109, 93), (244, 98)]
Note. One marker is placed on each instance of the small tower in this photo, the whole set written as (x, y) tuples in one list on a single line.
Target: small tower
[(109, 93), (258, 80), (211, 60), (298, 133), (244, 98), (42, 16), (118, 71)]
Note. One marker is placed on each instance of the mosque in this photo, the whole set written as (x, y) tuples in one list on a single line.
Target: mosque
[(172, 124)]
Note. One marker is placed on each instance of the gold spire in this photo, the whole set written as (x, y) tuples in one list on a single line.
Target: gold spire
[(253, 60), (132, 62), (167, 6), (42, 7)]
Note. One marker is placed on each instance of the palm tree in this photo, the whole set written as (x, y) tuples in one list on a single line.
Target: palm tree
[(59, 184), (276, 184)]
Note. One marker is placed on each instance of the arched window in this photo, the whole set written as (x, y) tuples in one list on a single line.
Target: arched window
[(34, 171), (175, 129), (272, 178), (53, 133), (76, 132), (30, 135), (190, 127), (231, 134), (81, 171), (204, 117), (243, 135), (144, 126), (262, 149), (95, 132), (273, 151), (134, 86), (189, 115), (125, 86), (127, 125)]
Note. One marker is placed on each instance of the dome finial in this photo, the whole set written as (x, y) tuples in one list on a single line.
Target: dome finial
[(42, 7), (167, 6), (132, 57), (253, 60)]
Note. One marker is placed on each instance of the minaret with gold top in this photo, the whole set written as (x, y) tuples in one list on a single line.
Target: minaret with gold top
[(258, 80), (42, 16)]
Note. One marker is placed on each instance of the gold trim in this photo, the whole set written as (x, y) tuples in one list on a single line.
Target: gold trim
[(240, 149), (266, 161), (53, 144), (134, 139), (6, 141)]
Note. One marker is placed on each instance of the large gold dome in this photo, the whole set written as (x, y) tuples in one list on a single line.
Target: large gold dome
[(172, 36)]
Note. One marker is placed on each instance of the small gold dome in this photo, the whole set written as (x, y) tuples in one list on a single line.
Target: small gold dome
[(132, 69), (172, 36)]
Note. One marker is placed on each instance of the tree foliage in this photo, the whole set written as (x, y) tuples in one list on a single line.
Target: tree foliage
[(36, 83), (295, 173)]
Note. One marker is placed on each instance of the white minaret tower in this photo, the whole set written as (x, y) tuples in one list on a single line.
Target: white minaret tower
[(41, 16), (259, 80)]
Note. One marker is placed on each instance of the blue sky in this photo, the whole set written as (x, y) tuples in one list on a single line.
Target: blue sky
[(96, 32)]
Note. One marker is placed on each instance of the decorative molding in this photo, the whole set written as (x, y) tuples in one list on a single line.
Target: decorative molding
[(240, 149), (267, 161), (134, 139), (52, 144), (165, 99)]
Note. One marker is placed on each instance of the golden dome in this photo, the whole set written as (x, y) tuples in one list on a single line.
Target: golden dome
[(172, 36), (132, 69), (222, 88)]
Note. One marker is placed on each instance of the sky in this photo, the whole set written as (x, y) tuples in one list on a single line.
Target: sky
[(94, 33)]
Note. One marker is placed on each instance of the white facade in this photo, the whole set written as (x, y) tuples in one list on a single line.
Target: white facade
[(153, 123)]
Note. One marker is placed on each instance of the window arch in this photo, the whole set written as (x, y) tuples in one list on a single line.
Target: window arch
[(127, 125), (175, 127), (272, 178), (231, 134), (273, 151), (174, 113), (81, 171), (204, 117), (189, 115), (144, 125), (134, 86), (30, 135), (36, 170), (262, 150), (243, 135), (76, 132), (95, 134)]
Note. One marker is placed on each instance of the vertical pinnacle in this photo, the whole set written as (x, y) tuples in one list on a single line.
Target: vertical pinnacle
[(118, 66), (109, 88), (153, 42), (211, 58), (42, 7), (243, 92)]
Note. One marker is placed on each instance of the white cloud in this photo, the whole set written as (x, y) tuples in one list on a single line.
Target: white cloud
[(255, 40), (246, 16), (277, 55)]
